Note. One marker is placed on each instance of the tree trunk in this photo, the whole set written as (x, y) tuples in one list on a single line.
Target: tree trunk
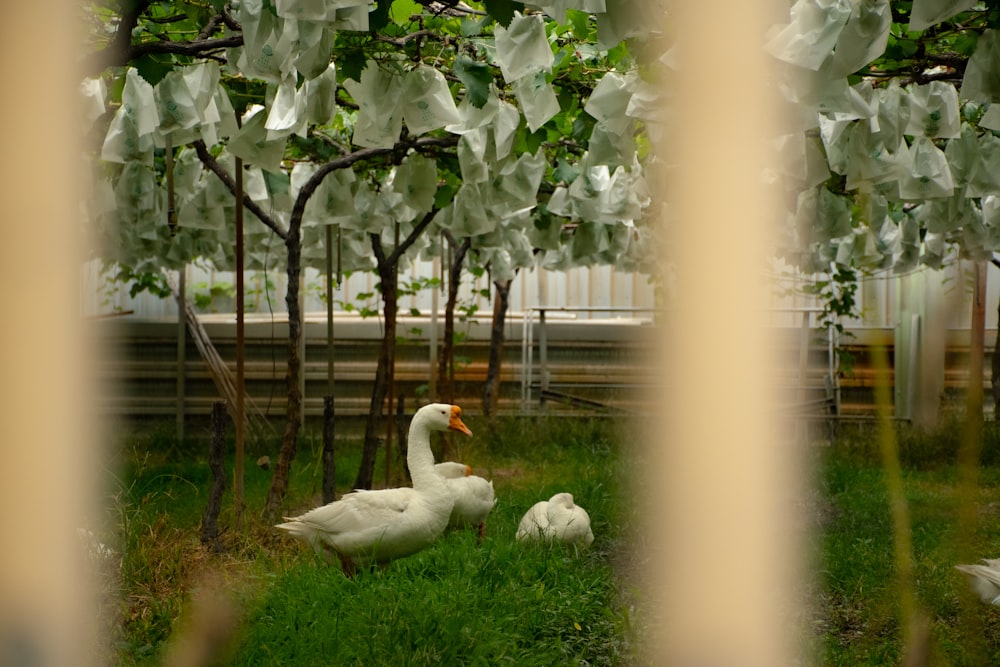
[(216, 450), (386, 266), (491, 389), (386, 357), (293, 416), (995, 365), (446, 359)]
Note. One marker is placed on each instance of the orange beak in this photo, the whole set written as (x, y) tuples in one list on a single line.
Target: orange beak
[(456, 423)]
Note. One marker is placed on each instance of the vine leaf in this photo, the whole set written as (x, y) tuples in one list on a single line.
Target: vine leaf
[(476, 77), (502, 11), (402, 10), (378, 18)]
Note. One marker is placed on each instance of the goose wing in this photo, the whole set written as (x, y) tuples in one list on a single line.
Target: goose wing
[(359, 510), (535, 521), (474, 499), (985, 580)]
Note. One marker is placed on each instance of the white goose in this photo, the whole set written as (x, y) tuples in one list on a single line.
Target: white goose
[(373, 527), (557, 518), (473, 495), (985, 579)]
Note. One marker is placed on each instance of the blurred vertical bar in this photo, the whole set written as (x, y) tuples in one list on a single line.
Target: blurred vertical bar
[(726, 564), (46, 480)]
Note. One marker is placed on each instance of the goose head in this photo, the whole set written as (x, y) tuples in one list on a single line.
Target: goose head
[(441, 417)]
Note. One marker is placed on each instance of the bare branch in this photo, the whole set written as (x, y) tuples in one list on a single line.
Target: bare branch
[(210, 28), (405, 39), (414, 234), (228, 19), (213, 165), (350, 159)]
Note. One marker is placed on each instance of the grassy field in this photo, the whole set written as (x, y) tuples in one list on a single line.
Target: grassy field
[(459, 602), (462, 602), (858, 599)]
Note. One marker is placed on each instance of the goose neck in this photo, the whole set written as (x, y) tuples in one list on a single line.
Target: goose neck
[(420, 459)]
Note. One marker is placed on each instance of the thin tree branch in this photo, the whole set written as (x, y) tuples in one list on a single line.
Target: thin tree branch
[(193, 49), (122, 51), (414, 234), (213, 165), (122, 40), (210, 28), (350, 159), (405, 39)]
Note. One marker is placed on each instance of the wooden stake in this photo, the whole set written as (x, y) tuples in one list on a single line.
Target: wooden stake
[(181, 349), (329, 459), (216, 450)]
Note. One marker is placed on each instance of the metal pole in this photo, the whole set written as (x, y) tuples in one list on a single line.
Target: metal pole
[(435, 293), (181, 350), (240, 421), (543, 352), (329, 310), (525, 366)]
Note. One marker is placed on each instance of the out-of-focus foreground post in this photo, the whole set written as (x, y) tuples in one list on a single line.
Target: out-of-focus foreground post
[(47, 616), (725, 562)]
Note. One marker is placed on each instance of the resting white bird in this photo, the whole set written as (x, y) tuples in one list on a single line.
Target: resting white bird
[(374, 527), (557, 518), (985, 579), (473, 495)]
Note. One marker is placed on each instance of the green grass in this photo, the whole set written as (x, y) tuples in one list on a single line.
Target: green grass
[(458, 602), (857, 601)]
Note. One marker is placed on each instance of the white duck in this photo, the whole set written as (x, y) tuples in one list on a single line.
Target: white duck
[(985, 579), (373, 527), (473, 495), (557, 518)]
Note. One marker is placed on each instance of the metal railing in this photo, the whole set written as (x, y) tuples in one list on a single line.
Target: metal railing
[(831, 379), (528, 345)]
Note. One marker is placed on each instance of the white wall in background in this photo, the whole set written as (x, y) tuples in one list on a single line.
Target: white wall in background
[(599, 286)]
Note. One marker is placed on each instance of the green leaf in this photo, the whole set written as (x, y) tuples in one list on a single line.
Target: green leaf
[(476, 77), (402, 10), (444, 195), (502, 11), (153, 69), (470, 28), (379, 17), (618, 55), (965, 44), (565, 172), (580, 23), (583, 127), (533, 141), (351, 63)]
